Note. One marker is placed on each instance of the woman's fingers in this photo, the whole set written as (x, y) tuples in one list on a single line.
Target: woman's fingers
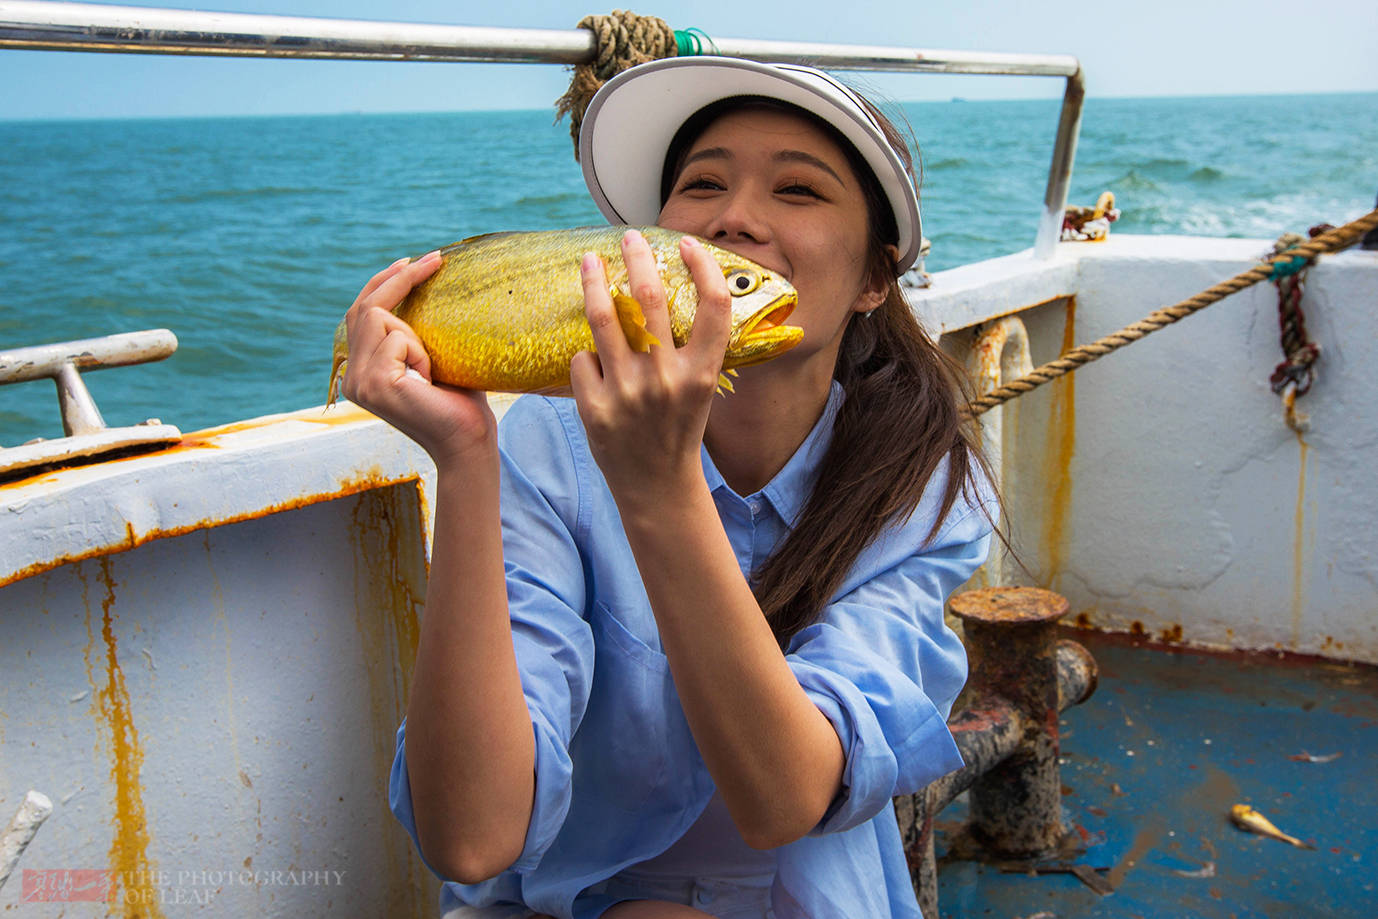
[(389, 287), (376, 326), (609, 340), (393, 289), (647, 286), (380, 277), (713, 319)]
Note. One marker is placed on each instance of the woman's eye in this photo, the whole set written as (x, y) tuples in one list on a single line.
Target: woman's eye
[(742, 281), (797, 188), (700, 184)]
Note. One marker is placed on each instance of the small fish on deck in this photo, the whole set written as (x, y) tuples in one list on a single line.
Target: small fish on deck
[(1246, 818), (505, 311), (1304, 757)]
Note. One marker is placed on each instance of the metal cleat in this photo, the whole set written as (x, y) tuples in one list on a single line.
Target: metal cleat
[(87, 438)]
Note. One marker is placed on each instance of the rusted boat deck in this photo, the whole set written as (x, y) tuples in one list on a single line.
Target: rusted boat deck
[(1150, 767)]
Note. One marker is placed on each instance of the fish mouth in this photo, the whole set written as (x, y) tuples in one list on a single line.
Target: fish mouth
[(764, 334)]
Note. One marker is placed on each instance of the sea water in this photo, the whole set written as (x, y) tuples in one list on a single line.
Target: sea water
[(249, 237)]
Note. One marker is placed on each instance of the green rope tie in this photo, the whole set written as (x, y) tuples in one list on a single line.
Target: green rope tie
[(691, 42), (1287, 266)]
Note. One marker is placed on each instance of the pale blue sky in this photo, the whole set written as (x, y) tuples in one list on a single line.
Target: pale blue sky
[(1158, 48)]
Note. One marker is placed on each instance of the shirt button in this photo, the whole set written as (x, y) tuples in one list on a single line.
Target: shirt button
[(702, 897), (755, 505)]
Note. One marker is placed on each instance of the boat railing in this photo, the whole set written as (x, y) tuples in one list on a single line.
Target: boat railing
[(42, 25)]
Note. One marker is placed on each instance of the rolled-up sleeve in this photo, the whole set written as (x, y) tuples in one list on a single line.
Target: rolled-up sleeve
[(542, 511), (884, 668)]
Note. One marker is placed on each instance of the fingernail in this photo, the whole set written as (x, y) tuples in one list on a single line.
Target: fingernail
[(401, 261), (690, 241), (630, 236), (434, 253), (589, 262)]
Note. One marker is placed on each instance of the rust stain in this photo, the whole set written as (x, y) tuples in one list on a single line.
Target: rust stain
[(1171, 635), (217, 598), (390, 587), (130, 867), (342, 413), (1061, 446), (1298, 544), (365, 481), (196, 440), (1144, 842)]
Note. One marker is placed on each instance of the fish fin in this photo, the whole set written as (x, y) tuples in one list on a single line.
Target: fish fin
[(338, 357), (633, 322), (724, 384), (731, 371), (473, 239), (336, 375)]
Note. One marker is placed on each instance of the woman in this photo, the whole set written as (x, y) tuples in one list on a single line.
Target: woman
[(679, 651)]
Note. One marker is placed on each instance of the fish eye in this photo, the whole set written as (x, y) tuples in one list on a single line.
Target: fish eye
[(743, 281)]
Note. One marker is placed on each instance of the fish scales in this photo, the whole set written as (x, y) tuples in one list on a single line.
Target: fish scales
[(522, 328), (505, 311)]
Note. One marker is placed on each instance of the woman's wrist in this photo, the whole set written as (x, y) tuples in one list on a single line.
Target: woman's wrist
[(656, 514), (461, 461)]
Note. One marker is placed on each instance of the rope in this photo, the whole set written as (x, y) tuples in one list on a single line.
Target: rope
[(624, 40), (692, 42), (1294, 376), (1329, 241)]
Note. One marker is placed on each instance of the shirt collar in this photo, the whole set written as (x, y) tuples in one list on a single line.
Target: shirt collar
[(791, 486)]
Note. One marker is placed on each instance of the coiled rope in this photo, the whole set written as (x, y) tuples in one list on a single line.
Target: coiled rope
[(624, 40), (1289, 262)]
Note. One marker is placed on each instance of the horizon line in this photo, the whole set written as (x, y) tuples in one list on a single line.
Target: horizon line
[(966, 100)]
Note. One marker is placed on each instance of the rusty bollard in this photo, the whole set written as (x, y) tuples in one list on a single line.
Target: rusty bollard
[(1021, 678), (1016, 807)]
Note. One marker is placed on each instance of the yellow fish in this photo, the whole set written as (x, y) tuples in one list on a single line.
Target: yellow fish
[(1246, 818), (505, 311)]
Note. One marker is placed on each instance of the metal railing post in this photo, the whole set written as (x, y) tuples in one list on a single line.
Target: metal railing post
[(1060, 172)]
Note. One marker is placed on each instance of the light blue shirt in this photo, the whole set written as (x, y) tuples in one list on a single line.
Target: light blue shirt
[(618, 775)]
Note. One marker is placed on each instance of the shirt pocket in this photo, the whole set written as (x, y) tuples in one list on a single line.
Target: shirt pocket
[(624, 730), (609, 633)]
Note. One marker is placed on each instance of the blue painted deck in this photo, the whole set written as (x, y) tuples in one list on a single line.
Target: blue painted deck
[(1150, 767)]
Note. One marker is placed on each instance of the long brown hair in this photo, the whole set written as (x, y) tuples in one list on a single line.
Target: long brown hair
[(902, 415)]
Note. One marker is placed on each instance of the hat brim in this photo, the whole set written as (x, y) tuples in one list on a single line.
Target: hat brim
[(629, 124)]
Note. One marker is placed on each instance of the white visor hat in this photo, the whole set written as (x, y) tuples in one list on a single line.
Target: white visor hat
[(630, 123)]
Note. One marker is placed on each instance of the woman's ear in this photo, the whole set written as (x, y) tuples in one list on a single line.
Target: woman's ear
[(877, 286)]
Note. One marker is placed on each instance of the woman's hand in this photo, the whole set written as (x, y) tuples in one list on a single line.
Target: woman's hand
[(645, 413), (389, 372)]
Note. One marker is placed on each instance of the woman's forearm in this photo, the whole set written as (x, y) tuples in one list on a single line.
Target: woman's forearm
[(775, 758), (470, 751)]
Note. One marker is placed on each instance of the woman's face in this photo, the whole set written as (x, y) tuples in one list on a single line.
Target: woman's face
[(773, 187)]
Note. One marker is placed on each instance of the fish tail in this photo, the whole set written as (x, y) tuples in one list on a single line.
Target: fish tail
[(724, 384), (338, 361), (337, 371)]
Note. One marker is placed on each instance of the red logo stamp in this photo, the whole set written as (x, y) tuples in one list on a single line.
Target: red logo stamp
[(65, 885)]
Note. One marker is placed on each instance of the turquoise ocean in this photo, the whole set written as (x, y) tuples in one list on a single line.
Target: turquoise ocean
[(249, 237)]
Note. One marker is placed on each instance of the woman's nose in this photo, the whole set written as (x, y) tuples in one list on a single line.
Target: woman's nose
[(739, 218)]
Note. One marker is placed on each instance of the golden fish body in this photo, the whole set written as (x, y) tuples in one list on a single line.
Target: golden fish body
[(1246, 818), (505, 311)]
